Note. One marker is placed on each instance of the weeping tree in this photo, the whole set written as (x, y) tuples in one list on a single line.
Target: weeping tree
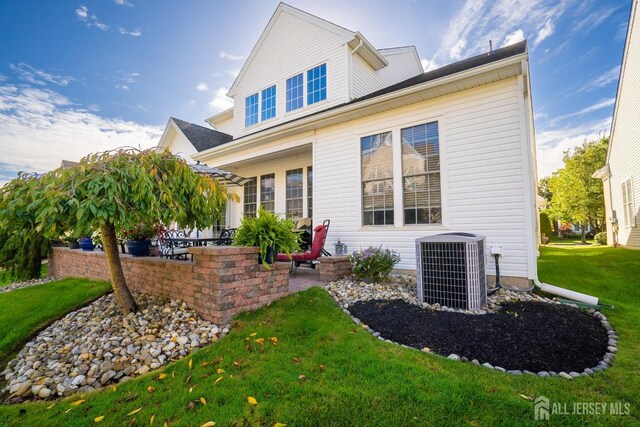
[(22, 245), (121, 189)]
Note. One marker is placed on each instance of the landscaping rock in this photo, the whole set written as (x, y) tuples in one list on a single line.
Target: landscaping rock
[(96, 346), (453, 357), (27, 284)]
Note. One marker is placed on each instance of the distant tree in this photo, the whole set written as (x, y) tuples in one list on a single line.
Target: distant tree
[(118, 190), (546, 227), (575, 195), (544, 190), (22, 245)]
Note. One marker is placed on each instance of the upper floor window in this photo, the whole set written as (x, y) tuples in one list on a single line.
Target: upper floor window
[(317, 84), (377, 179), (269, 103), (421, 196), (295, 92), (251, 104)]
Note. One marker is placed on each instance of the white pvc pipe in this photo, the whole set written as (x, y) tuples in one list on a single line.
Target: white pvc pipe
[(566, 293)]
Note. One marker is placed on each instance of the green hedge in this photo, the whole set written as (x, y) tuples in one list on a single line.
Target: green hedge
[(546, 227)]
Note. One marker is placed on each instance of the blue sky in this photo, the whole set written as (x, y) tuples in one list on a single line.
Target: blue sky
[(85, 76)]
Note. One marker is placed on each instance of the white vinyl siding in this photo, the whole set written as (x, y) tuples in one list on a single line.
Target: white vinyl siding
[(402, 65), (179, 144)]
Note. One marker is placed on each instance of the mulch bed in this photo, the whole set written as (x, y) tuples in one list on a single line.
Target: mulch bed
[(529, 336)]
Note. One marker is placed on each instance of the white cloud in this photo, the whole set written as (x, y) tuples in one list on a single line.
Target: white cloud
[(82, 12), (39, 76), (234, 72), (545, 31), (135, 33), (515, 37), (552, 143), (594, 20), (609, 76), (230, 56), (202, 87), (216, 74), (123, 87), (456, 50), (428, 65), (599, 105), (2, 77), (123, 3), (220, 100), (39, 128)]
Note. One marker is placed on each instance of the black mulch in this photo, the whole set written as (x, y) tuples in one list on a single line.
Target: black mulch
[(529, 336)]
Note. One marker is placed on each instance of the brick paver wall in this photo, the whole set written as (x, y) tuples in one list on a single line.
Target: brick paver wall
[(334, 267), (220, 282)]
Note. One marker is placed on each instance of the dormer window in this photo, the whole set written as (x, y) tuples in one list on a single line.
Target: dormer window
[(269, 103), (251, 106), (317, 84), (295, 95)]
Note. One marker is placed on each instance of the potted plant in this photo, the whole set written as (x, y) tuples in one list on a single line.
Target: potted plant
[(71, 241), (86, 243), (270, 233), (139, 238)]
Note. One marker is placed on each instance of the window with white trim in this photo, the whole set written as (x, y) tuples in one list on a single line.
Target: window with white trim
[(251, 107), (295, 92), (309, 191), (250, 197), (269, 103), (294, 193), (317, 84), (377, 179), (422, 196), (268, 192), (627, 204)]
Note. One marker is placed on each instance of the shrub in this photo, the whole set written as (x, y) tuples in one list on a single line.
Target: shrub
[(601, 238), (546, 227), (373, 264)]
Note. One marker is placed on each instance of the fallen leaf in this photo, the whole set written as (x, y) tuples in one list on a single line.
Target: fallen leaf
[(301, 377), (162, 376), (98, 419), (203, 400), (322, 367), (295, 360), (260, 341), (252, 400), (173, 374), (190, 389), (190, 363), (152, 419), (208, 424), (218, 380), (274, 340), (151, 389), (203, 364), (51, 406), (131, 397), (192, 319), (189, 379), (68, 410), (191, 405), (77, 402), (166, 424), (114, 388), (174, 339), (493, 389), (279, 425), (525, 397), (221, 371), (237, 363), (253, 334), (135, 411)]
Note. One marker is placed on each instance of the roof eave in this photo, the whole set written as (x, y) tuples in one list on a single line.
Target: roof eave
[(221, 116)]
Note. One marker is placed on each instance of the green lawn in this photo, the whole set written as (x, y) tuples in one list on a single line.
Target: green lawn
[(24, 311), (5, 277), (327, 371)]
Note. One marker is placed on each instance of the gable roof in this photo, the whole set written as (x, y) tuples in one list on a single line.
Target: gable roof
[(200, 137), (369, 54)]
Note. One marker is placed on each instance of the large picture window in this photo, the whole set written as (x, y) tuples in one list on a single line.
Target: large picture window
[(422, 196), (377, 179), (310, 192), (627, 204), (295, 96), (250, 197), (269, 103), (317, 84), (294, 190), (251, 105), (268, 192)]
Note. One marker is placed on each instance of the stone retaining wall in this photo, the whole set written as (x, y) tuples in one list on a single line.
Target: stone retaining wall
[(334, 268), (220, 282)]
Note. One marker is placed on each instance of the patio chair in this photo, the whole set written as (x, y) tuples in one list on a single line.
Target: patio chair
[(317, 249), (226, 237), (171, 247)]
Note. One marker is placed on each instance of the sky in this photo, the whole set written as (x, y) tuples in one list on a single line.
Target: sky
[(78, 77)]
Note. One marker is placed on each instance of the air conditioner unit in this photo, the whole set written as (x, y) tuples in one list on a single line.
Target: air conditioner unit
[(451, 270)]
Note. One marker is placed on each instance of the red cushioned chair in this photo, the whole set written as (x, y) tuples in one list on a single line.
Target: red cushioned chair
[(316, 251)]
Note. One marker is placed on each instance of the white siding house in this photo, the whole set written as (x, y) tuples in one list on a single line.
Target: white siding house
[(391, 153), (621, 175)]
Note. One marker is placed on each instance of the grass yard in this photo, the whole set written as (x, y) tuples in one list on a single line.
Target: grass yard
[(24, 311), (5, 277), (326, 371)]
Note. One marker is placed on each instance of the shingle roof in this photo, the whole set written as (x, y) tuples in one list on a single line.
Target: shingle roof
[(202, 138)]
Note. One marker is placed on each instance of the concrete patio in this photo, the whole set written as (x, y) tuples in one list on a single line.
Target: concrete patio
[(304, 279)]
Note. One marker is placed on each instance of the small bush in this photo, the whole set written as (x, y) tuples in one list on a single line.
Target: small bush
[(601, 238), (373, 264), (546, 227)]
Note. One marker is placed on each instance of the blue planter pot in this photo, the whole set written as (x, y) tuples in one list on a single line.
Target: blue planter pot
[(139, 247), (271, 256), (86, 244)]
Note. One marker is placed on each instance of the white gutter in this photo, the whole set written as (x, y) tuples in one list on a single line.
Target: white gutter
[(353, 52), (381, 99)]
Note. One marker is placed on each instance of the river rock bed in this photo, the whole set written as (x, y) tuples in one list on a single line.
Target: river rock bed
[(29, 283), (96, 346)]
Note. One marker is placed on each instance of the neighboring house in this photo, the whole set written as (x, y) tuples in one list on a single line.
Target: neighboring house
[(621, 175), (329, 127)]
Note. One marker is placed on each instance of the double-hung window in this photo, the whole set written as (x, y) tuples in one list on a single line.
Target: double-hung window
[(269, 103), (250, 197), (268, 192), (310, 192), (377, 179), (317, 84), (422, 196), (627, 204), (294, 190), (251, 107), (295, 95)]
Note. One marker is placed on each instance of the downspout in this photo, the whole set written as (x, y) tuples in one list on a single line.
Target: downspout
[(351, 68)]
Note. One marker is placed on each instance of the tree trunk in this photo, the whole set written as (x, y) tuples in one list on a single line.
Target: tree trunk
[(123, 295), (583, 234)]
